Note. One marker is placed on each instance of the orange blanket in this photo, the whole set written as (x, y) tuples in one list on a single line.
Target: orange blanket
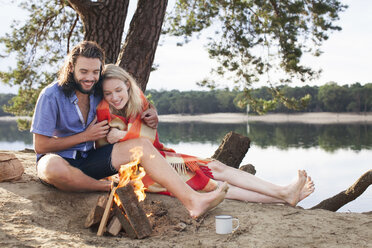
[(191, 169)]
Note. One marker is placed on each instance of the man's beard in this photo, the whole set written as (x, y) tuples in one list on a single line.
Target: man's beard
[(78, 87)]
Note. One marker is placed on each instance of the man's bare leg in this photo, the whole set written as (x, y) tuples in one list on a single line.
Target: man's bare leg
[(160, 171), (54, 170)]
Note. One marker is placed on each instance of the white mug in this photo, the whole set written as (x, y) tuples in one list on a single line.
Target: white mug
[(224, 224)]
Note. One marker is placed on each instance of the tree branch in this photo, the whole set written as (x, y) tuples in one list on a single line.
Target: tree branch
[(71, 31), (83, 6)]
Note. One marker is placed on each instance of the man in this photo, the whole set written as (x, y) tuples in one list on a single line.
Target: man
[(65, 128)]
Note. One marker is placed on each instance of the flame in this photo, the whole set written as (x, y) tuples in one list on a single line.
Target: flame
[(131, 173)]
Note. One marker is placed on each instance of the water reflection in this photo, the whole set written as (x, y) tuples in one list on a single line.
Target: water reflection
[(9, 133), (283, 136)]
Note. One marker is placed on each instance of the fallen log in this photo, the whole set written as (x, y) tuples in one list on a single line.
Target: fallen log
[(232, 149), (336, 202)]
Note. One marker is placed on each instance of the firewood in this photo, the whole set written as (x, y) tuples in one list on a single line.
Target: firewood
[(232, 149), (106, 214), (336, 202), (135, 213), (114, 227), (96, 213), (11, 168), (124, 222)]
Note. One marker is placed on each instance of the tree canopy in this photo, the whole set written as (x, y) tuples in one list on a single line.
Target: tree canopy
[(248, 38)]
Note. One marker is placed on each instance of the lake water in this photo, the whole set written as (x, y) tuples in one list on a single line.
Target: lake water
[(335, 156)]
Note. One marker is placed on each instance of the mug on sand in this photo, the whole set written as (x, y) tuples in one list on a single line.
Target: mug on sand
[(224, 224)]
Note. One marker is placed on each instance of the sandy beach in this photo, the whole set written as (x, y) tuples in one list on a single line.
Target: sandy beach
[(35, 215)]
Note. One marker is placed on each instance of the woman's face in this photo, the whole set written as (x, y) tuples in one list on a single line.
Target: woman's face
[(115, 92)]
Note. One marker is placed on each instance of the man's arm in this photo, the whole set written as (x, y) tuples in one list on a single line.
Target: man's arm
[(45, 144), (150, 117)]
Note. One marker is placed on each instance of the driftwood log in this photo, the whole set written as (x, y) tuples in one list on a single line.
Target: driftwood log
[(232, 149), (336, 202)]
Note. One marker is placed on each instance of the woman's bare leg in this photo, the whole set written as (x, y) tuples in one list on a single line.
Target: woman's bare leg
[(291, 193), (236, 193), (160, 171)]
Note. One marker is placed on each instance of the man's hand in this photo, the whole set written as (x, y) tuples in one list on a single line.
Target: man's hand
[(96, 130), (115, 135), (150, 118)]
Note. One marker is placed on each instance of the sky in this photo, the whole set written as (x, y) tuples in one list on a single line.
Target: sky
[(346, 58)]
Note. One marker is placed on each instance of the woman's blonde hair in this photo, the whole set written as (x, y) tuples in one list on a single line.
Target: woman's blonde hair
[(134, 104)]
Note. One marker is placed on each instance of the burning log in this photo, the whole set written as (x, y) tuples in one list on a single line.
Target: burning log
[(127, 214), (123, 203), (124, 222), (135, 213)]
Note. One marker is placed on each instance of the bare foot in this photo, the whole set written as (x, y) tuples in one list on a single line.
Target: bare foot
[(307, 189), (293, 193), (208, 201)]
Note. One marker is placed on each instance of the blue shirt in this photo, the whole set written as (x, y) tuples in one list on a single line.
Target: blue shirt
[(60, 116)]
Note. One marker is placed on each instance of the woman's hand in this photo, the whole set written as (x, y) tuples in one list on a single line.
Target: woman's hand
[(115, 135)]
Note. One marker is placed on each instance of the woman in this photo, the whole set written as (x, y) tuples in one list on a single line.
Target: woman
[(122, 106)]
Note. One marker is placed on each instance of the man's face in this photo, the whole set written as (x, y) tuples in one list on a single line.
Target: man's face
[(86, 73)]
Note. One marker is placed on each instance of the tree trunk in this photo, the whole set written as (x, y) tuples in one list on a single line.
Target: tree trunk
[(103, 23), (138, 52), (346, 196), (232, 149)]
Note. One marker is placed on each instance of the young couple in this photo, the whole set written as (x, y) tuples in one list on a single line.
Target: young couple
[(65, 128)]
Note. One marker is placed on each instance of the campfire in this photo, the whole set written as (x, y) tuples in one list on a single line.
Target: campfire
[(120, 210)]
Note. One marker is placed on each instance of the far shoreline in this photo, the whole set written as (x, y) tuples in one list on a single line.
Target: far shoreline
[(236, 118)]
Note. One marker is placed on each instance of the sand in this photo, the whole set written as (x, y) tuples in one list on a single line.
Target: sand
[(35, 215)]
